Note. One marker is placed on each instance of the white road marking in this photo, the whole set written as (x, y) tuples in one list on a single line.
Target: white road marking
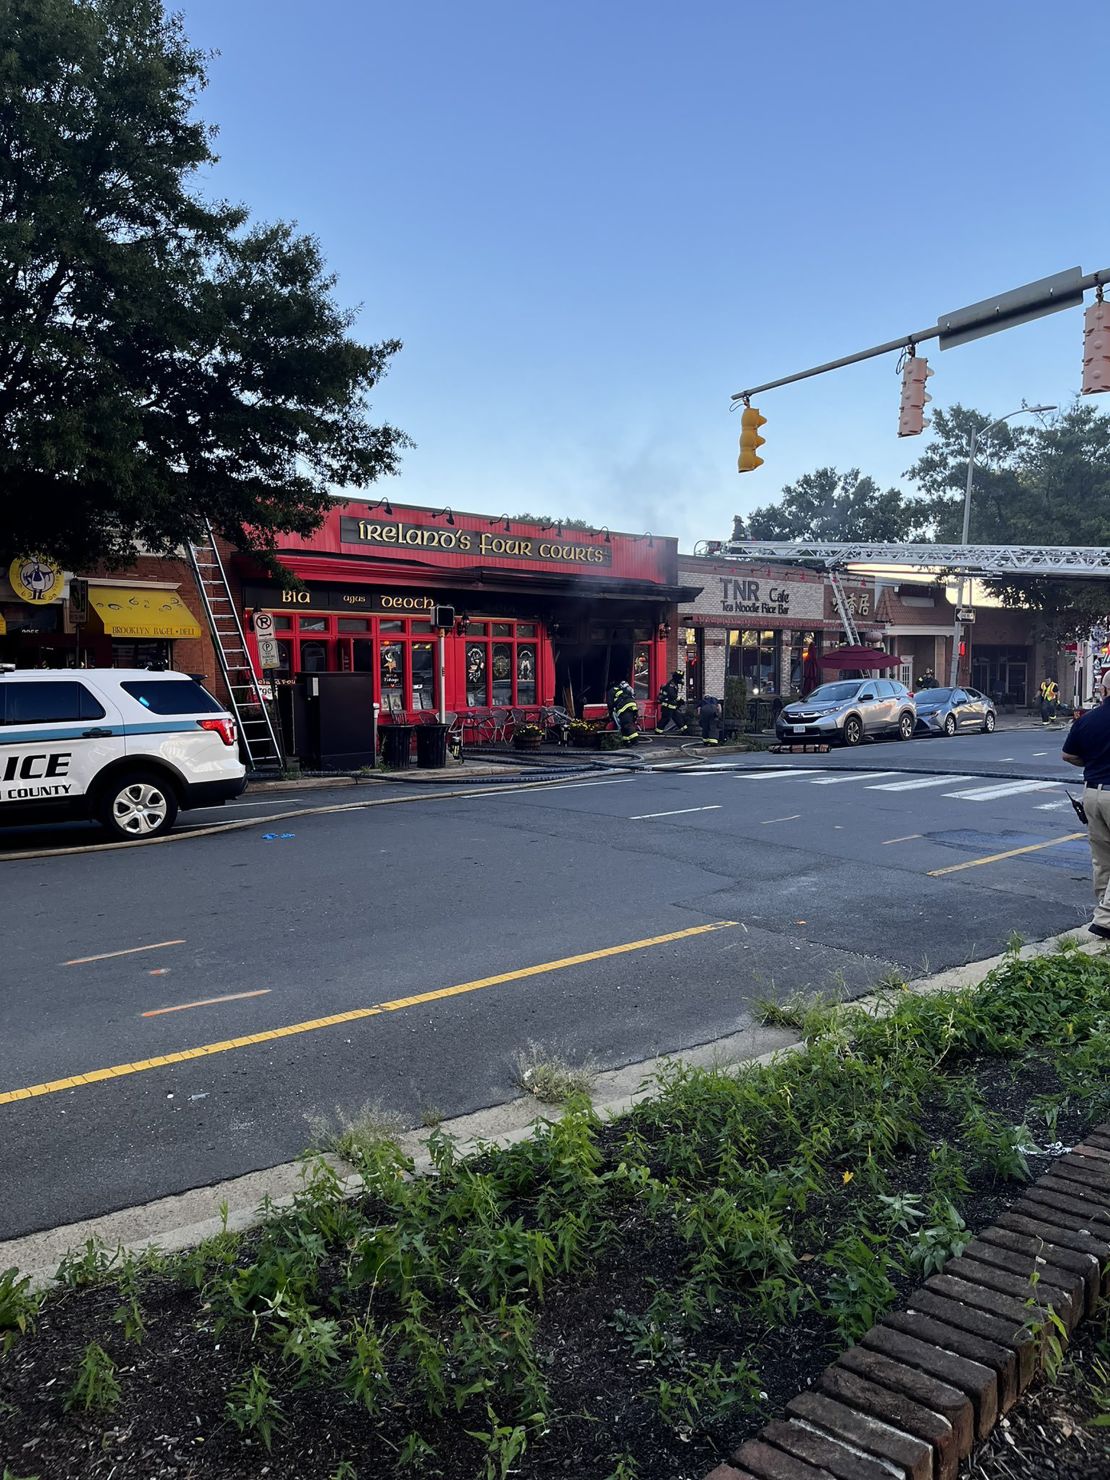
[(778, 775), (647, 816), (130, 951), (1053, 806), (920, 782), (1009, 789), (768, 820), (853, 776), (907, 839), (1037, 753)]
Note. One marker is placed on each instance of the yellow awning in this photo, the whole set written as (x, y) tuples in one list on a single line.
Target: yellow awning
[(129, 611)]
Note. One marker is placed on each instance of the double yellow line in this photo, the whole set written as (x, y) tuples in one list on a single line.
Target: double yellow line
[(335, 1019)]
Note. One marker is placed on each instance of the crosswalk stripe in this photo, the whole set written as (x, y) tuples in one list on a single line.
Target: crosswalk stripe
[(1011, 788), (852, 776), (920, 782), (777, 775)]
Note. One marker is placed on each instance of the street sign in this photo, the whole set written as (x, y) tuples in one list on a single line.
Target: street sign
[(268, 654), (263, 624), (1020, 306), (965, 614)]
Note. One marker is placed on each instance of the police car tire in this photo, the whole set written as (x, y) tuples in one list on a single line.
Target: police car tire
[(160, 805)]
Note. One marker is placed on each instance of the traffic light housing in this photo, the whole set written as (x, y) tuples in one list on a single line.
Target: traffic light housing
[(911, 412), (750, 423), (1096, 348)]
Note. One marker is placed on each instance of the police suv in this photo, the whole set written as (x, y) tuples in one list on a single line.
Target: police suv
[(127, 747)]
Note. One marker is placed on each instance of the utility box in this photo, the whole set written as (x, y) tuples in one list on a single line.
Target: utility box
[(338, 720)]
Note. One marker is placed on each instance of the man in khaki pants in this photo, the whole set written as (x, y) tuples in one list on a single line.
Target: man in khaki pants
[(1088, 745)]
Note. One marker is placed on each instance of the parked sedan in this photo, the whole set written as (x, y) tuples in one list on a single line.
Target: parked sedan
[(944, 711), (849, 711)]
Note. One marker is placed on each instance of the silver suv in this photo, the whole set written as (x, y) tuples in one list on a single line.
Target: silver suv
[(849, 711)]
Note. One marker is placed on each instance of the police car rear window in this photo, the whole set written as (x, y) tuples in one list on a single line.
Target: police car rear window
[(172, 696), (46, 702)]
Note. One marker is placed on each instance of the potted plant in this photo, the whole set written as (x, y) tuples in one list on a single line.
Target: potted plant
[(580, 734), (527, 737)]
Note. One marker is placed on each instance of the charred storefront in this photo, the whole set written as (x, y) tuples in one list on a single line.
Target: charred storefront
[(530, 614)]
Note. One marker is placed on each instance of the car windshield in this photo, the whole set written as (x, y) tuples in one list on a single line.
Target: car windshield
[(935, 696), (833, 693)]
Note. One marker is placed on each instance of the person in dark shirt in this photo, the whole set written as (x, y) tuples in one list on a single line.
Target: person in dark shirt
[(1088, 745)]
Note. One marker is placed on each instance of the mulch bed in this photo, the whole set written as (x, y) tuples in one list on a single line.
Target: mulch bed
[(171, 1420)]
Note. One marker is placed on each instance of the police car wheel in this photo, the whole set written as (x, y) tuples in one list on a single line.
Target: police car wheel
[(138, 804)]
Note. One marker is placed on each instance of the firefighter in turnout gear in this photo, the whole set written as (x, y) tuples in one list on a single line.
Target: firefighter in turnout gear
[(623, 711), (669, 703), (709, 716)]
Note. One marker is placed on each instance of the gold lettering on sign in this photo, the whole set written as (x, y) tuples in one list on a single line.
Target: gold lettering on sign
[(295, 598)]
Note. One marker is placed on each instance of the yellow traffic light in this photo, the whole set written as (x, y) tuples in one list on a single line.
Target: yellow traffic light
[(750, 423)]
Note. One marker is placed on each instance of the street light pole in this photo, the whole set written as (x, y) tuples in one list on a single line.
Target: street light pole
[(964, 592)]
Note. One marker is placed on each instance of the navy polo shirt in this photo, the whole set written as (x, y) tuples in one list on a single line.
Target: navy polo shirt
[(1089, 738)]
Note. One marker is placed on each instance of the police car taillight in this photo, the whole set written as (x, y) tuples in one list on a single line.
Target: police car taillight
[(225, 728)]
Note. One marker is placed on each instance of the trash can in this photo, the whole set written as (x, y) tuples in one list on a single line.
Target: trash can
[(431, 746), (396, 742)]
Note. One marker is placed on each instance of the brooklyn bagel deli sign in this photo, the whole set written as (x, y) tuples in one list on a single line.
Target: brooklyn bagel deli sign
[(479, 544)]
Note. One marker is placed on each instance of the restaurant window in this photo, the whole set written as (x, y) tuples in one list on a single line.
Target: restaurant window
[(392, 661), (354, 624), (502, 670), (502, 629), (285, 659), (362, 655), (525, 674), (805, 649), (423, 675), (312, 624), (283, 624), (144, 654), (476, 696), (314, 656), (754, 657), (641, 670), (526, 629)]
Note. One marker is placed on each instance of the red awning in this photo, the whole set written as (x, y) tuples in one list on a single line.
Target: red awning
[(857, 657)]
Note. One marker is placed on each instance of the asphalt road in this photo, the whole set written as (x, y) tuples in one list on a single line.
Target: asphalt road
[(154, 962)]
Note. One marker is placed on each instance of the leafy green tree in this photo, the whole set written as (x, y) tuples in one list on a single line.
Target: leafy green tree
[(1043, 485), (829, 505), (162, 360)]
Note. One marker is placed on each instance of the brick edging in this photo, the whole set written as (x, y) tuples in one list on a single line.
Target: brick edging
[(931, 1380)]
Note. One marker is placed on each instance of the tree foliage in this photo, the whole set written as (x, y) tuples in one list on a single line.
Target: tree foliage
[(1034, 484), (828, 505), (162, 359)]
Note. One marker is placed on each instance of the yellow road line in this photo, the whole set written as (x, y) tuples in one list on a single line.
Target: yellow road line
[(954, 868), (269, 1035), (206, 1002), (130, 951)]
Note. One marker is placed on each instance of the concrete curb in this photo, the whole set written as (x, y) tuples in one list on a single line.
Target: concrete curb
[(186, 1219), (931, 1380)]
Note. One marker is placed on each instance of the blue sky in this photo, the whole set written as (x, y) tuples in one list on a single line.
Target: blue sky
[(591, 222)]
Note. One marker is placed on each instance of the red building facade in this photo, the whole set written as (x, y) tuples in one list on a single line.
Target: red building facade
[(544, 614)]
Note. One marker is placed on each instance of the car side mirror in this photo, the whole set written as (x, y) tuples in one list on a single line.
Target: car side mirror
[(863, 698)]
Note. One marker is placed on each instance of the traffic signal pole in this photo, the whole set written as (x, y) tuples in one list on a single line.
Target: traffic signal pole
[(1005, 311)]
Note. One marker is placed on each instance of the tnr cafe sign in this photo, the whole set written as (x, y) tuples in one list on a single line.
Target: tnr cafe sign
[(747, 596)]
